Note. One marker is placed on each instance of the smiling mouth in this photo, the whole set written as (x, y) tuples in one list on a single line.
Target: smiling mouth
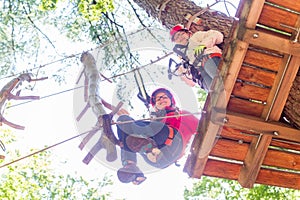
[(164, 103)]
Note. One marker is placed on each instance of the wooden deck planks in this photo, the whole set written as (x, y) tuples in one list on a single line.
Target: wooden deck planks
[(273, 17), (252, 92), (277, 158), (220, 169), (245, 107), (256, 75), (278, 178), (265, 60), (290, 4)]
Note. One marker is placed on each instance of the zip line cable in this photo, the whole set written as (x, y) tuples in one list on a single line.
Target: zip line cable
[(109, 78), (44, 149), (78, 135), (44, 97), (157, 118)]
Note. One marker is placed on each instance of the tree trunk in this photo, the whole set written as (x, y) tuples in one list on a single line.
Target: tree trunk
[(292, 107), (173, 12)]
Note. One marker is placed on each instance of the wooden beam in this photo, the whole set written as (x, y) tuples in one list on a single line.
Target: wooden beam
[(264, 40), (221, 169), (249, 91), (233, 70), (206, 140), (279, 179), (254, 13), (258, 76), (244, 106), (194, 167), (284, 81), (209, 140), (263, 59), (276, 18), (253, 160), (259, 126)]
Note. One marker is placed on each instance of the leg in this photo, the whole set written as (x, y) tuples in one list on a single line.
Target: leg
[(211, 66), (129, 172), (203, 78), (126, 153), (139, 128), (169, 153)]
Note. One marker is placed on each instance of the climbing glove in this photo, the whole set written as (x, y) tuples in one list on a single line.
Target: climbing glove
[(199, 50)]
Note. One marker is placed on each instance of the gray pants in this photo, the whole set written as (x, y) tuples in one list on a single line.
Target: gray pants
[(155, 130), (210, 70)]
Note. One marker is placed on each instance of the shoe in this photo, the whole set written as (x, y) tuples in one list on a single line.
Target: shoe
[(139, 144), (154, 155), (131, 173)]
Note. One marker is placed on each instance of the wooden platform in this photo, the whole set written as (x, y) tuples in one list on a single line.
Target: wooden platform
[(261, 61)]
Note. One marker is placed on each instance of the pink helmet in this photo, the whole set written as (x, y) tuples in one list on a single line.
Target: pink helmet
[(164, 90), (175, 29)]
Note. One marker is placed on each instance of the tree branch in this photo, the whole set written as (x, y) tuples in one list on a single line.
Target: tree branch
[(39, 30)]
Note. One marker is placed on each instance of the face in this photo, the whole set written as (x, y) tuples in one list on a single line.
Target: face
[(162, 101), (181, 37)]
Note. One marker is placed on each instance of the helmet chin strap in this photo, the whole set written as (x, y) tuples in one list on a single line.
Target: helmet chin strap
[(171, 107)]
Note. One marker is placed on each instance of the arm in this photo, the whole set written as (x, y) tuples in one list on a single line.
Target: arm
[(208, 38)]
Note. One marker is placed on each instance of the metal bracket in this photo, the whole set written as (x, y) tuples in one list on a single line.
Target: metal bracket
[(273, 133), (295, 29)]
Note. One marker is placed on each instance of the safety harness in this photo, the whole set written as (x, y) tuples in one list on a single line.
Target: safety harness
[(142, 94), (196, 69), (170, 138)]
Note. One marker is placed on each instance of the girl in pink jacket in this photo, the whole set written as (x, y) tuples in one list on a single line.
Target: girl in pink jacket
[(161, 142)]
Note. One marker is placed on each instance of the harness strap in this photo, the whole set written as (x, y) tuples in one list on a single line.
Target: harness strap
[(212, 55), (142, 95), (170, 138)]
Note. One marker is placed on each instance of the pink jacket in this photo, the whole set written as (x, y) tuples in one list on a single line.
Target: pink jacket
[(186, 125)]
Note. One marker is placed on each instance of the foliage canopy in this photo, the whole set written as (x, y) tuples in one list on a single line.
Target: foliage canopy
[(34, 178)]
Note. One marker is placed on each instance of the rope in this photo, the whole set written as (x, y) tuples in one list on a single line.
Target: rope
[(226, 7), (109, 78), (156, 118), (2, 145), (192, 18), (44, 149), (76, 136), (44, 97), (161, 7)]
